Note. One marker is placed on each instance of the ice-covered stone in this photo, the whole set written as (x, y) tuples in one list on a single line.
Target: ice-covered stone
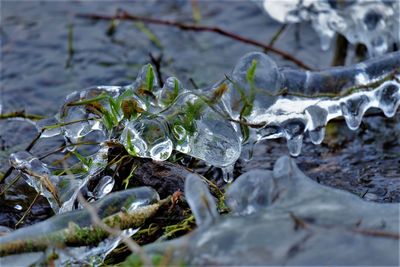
[(288, 219)]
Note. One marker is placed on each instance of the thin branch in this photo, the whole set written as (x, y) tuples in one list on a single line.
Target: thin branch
[(27, 210), (377, 233), (277, 34), (123, 15), (157, 61), (17, 177), (21, 114)]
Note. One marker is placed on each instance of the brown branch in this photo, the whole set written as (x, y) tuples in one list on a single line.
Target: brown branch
[(377, 233), (123, 15), (27, 210)]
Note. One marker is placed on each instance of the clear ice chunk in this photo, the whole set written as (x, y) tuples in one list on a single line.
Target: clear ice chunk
[(48, 132), (200, 200), (250, 192), (261, 90), (202, 132), (147, 138)]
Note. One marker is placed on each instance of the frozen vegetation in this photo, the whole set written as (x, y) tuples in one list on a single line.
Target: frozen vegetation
[(217, 125)]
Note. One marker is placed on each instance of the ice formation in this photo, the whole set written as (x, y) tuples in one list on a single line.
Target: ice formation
[(219, 124), (61, 191), (287, 219), (206, 212), (128, 200), (374, 23)]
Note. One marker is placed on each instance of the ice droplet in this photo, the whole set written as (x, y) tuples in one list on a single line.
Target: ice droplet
[(389, 98), (353, 110), (317, 135), (294, 145), (227, 173)]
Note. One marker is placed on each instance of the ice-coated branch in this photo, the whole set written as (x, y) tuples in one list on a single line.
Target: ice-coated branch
[(335, 81), (74, 229)]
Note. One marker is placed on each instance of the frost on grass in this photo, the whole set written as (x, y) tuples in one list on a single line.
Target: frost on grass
[(288, 219), (376, 23)]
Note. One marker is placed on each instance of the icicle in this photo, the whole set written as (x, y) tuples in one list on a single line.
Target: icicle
[(353, 110), (389, 98), (294, 145), (227, 173), (317, 135)]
